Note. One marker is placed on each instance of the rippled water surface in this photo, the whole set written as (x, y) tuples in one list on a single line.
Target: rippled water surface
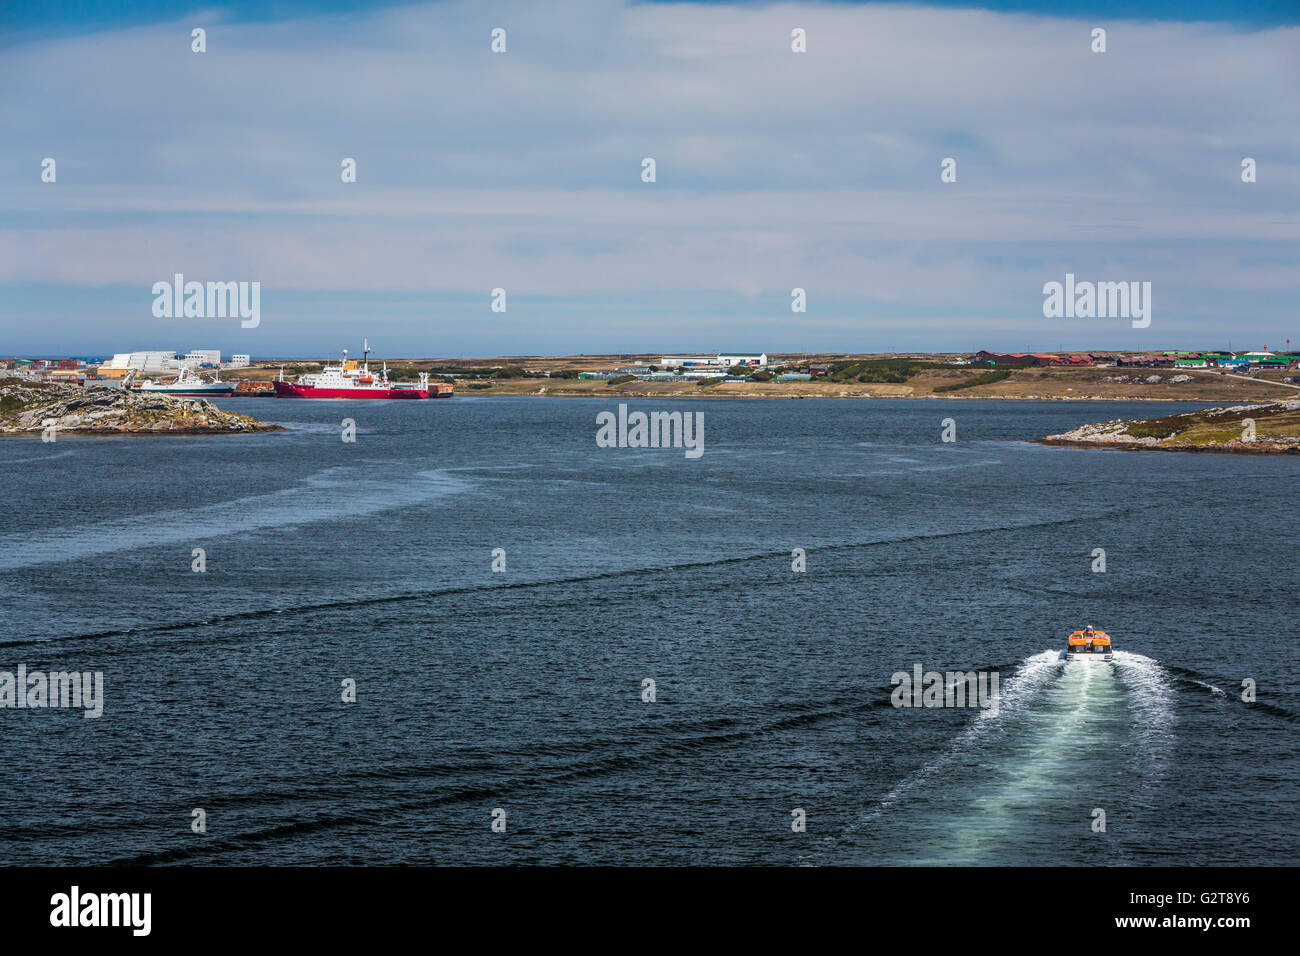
[(522, 690)]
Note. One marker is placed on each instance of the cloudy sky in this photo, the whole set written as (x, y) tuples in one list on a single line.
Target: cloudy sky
[(522, 170)]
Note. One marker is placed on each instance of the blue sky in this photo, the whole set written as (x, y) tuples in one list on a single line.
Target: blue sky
[(82, 15), (775, 170)]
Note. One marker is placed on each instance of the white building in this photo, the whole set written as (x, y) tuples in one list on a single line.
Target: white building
[(196, 357), (678, 361), (157, 361), (721, 360), (751, 358), (239, 361)]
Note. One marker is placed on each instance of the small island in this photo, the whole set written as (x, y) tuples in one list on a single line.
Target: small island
[(1270, 428), (30, 408)]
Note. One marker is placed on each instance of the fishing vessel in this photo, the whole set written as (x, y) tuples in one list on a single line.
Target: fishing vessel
[(348, 380), (187, 385), (1088, 645)]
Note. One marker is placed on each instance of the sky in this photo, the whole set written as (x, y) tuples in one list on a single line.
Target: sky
[(522, 171)]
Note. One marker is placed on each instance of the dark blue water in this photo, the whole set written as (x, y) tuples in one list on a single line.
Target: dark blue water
[(522, 690)]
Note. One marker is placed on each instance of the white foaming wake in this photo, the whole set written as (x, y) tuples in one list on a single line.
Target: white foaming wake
[(1032, 675), (329, 495), (1060, 703), (21, 461), (987, 813), (1151, 700)]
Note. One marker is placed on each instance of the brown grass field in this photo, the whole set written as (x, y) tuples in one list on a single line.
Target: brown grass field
[(1064, 384)]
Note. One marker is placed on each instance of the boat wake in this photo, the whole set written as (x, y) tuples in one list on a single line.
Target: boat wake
[(1066, 740), (1032, 674), (26, 461), (140, 532), (1150, 698), (329, 495)]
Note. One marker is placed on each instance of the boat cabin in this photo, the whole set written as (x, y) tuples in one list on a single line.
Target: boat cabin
[(1089, 641)]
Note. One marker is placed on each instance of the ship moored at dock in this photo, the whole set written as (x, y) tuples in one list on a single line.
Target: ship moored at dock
[(186, 385), (348, 380)]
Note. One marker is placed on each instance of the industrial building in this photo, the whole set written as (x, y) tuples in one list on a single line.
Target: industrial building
[(200, 358), (720, 360), (157, 362), (153, 362)]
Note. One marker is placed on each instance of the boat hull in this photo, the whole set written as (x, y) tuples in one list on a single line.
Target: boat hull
[(1090, 656), (293, 390), (186, 392)]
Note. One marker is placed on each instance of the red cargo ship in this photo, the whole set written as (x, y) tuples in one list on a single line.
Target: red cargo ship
[(345, 380)]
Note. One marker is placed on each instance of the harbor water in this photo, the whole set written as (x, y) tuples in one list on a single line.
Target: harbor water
[(645, 677)]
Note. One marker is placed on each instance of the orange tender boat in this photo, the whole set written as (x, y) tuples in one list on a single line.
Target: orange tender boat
[(1088, 644)]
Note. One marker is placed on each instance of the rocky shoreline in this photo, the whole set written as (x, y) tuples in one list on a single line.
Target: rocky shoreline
[(30, 408), (1269, 428)]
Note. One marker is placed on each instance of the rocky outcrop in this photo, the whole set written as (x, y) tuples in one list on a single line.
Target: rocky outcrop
[(30, 407), (1271, 428)]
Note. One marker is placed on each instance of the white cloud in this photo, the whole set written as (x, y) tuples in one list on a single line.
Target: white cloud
[(775, 169)]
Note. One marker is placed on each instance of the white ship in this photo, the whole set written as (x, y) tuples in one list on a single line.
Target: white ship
[(187, 385)]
